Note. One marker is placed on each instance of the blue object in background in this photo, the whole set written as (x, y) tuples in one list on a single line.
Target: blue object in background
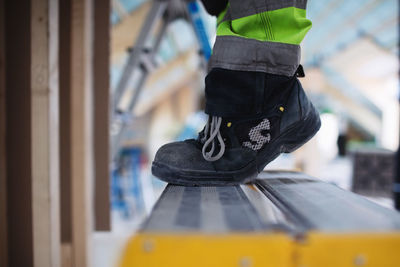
[(126, 193), (117, 195), (201, 33), (192, 126)]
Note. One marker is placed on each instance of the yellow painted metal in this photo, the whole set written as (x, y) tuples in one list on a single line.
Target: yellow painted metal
[(186, 250), (317, 249), (349, 249)]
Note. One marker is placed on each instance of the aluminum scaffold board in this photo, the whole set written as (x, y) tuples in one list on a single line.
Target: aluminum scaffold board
[(265, 224)]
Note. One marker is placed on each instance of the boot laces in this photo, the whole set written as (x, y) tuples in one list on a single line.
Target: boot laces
[(212, 135)]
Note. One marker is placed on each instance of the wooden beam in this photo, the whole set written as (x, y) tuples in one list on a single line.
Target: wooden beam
[(125, 32), (66, 257), (65, 122), (101, 93), (32, 132), (18, 125), (44, 133), (3, 165), (151, 94), (119, 9), (81, 131)]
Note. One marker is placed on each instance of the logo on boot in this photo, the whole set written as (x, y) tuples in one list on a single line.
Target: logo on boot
[(257, 139)]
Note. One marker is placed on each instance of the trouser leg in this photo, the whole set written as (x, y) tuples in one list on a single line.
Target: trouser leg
[(259, 35)]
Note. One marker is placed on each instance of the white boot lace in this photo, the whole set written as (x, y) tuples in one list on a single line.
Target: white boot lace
[(210, 132)]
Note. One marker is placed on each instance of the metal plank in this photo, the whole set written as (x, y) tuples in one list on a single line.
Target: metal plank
[(326, 207), (207, 209)]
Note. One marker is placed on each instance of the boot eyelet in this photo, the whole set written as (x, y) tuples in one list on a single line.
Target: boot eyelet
[(282, 109), (229, 124)]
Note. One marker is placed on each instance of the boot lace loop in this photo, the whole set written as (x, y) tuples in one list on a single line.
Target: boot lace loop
[(211, 135)]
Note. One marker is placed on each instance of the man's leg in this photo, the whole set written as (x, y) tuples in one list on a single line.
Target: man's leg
[(261, 35), (256, 105)]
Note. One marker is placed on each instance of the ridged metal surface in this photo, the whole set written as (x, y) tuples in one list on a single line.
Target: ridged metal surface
[(283, 201), (323, 206), (205, 209)]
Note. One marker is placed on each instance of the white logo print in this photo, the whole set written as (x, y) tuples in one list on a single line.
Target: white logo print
[(256, 136)]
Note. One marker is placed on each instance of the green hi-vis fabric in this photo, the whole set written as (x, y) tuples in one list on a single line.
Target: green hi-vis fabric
[(261, 35), (287, 25)]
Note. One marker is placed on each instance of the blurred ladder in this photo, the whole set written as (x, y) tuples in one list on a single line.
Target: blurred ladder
[(142, 58)]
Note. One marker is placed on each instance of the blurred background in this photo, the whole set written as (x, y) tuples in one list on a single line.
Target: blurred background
[(350, 57), (89, 90)]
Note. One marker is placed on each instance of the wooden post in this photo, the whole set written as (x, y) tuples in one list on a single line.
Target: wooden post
[(101, 93), (84, 54), (18, 126), (3, 165), (81, 131), (31, 42), (65, 123), (44, 133)]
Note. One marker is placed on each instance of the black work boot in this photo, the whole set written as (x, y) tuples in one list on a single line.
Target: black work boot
[(253, 117)]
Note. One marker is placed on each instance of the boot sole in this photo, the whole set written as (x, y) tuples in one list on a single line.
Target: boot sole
[(293, 138)]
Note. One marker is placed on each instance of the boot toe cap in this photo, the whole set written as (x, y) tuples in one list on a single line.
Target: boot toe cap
[(182, 155)]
